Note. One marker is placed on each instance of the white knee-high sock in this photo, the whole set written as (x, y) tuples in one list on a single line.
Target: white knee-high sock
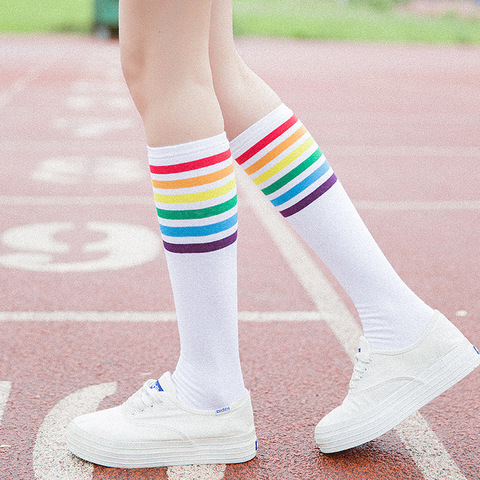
[(285, 162), (195, 195)]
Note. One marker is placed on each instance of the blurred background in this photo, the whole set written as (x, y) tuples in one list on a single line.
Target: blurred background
[(421, 21)]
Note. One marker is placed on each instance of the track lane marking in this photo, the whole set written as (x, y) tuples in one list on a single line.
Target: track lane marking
[(424, 446), (403, 150), (134, 317), (196, 472), (337, 150), (51, 458), (417, 205), (5, 388), (148, 200), (427, 450)]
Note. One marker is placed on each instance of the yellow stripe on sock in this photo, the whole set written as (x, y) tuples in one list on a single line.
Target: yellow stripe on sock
[(196, 197), (285, 162)]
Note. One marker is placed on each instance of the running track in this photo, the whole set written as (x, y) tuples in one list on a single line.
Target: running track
[(86, 310)]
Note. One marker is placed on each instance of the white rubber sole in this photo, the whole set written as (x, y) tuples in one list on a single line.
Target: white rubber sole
[(445, 373), (160, 454)]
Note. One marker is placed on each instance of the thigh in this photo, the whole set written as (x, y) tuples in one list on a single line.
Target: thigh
[(161, 33)]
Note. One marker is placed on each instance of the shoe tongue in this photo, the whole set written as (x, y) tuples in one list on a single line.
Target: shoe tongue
[(164, 384), (157, 386), (363, 345)]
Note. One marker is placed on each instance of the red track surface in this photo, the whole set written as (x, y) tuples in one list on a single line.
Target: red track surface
[(400, 127)]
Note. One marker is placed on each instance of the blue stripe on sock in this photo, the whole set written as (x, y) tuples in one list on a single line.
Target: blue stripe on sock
[(305, 183), (200, 231)]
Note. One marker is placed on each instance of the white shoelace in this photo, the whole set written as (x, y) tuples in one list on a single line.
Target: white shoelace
[(146, 397), (362, 361)]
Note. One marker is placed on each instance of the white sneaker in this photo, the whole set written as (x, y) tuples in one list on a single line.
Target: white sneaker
[(152, 429), (387, 387)]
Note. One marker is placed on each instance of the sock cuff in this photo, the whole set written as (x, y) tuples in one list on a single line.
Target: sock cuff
[(188, 151), (259, 130)]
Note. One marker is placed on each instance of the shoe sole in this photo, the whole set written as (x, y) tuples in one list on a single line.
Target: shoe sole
[(445, 373), (160, 454)]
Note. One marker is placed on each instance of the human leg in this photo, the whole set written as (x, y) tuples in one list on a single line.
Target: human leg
[(202, 413), (164, 49), (244, 97), (282, 158), (402, 364)]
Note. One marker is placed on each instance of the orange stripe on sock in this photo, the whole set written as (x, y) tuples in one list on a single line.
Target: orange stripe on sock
[(194, 181), (276, 151)]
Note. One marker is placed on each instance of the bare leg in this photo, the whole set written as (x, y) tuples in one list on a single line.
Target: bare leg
[(164, 52), (244, 97)]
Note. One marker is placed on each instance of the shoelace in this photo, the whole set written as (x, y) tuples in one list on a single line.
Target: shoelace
[(146, 397), (362, 361)]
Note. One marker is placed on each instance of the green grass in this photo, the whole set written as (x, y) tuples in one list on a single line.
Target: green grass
[(34, 16), (364, 20), (358, 20)]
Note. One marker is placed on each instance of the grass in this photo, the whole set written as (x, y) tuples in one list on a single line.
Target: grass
[(357, 20), (364, 20), (39, 16)]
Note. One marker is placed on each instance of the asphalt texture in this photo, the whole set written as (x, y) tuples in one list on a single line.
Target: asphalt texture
[(86, 307)]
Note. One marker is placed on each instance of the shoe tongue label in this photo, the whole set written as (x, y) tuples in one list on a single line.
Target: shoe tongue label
[(220, 411), (157, 386)]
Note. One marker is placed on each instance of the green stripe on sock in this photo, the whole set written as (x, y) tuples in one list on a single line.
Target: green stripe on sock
[(293, 173), (199, 213)]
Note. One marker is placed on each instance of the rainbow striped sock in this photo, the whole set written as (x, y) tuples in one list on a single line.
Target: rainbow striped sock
[(195, 194), (281, 157), (196, 200), (284, 161)]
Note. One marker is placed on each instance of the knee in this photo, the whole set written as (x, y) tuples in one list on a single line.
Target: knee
[(133, 69)]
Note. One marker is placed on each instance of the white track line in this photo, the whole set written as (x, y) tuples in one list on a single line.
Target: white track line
[(401, 151), (92, 316), (5, 388), (51, 459), (422, 443), (196, 472), (47, 201), (418, 205), (148, 200), (427, 450), (336, 150)]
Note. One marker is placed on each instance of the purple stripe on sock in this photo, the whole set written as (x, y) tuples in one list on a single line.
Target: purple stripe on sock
[(200, 247), (310, 198)]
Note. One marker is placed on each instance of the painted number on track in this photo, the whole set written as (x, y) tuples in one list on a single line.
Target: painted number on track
[(120, 246), (101, 170)]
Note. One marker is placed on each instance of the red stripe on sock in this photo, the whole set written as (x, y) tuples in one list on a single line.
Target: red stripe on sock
[(265, 141), (187, 166)]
